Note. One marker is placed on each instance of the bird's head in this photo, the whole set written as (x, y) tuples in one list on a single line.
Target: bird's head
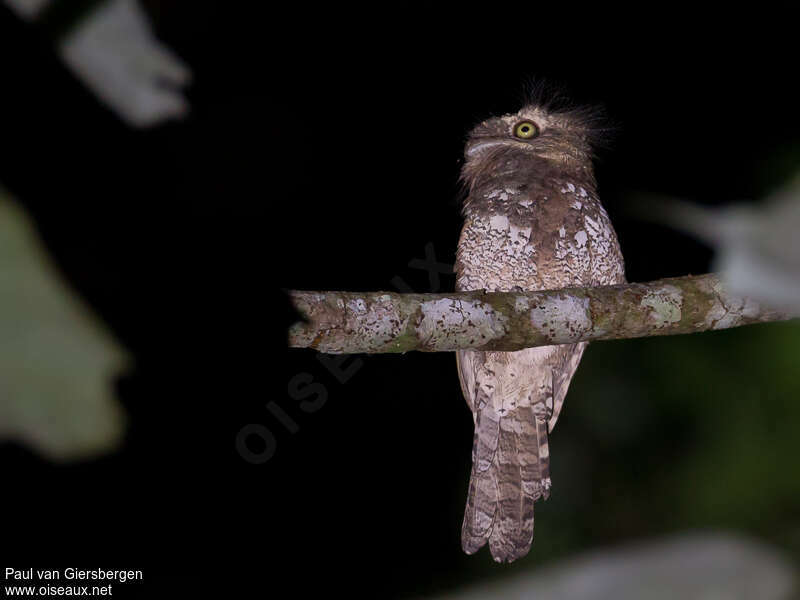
[(549, 134), (560, 136)]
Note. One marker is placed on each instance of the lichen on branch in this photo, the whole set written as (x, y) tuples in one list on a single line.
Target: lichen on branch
[(374, 322)]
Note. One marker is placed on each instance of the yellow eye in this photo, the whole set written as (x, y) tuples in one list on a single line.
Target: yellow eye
[(525, 130)]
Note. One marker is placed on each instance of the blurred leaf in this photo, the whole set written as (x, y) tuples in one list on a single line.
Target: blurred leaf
[(57, 360), (756, 246), (698, 566), (116, 54)]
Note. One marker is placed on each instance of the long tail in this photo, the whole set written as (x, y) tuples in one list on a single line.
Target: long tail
[(510, 471)]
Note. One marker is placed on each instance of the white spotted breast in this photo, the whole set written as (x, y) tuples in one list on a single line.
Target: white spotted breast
[(544, 239)]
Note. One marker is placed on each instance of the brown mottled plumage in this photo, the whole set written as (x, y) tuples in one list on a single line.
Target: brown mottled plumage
[(532, 221)]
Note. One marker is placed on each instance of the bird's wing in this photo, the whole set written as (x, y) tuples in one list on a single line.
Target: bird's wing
[(466, 361)]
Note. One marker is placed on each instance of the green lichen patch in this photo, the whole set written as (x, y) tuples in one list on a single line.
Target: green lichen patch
[(665, 304)]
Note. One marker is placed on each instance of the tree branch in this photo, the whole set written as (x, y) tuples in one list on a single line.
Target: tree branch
[(372, 322)]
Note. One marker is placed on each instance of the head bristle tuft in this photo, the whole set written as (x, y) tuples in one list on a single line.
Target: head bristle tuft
[(555, 99)]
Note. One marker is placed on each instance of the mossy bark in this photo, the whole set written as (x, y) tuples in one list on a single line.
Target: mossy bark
[(374, 322)]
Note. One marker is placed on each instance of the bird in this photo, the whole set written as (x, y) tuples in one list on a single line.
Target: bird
[(532, 220)]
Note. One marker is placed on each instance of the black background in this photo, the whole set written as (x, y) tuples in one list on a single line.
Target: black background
[(322, 152)]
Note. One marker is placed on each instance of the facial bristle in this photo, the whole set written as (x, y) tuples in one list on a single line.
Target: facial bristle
[(592, 120)]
